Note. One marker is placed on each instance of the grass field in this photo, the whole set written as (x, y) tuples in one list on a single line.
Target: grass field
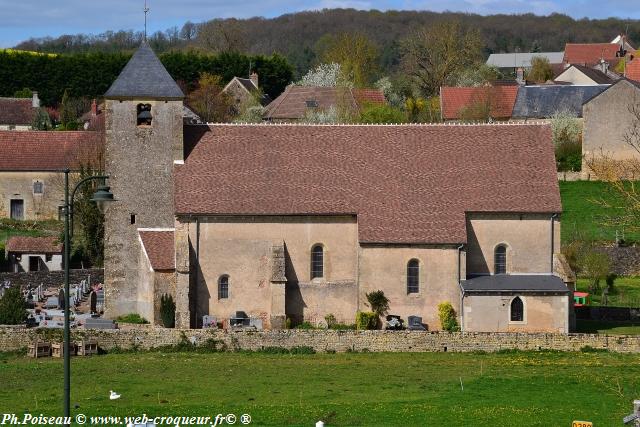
[(349, 389), (583, 217), (625, 293)]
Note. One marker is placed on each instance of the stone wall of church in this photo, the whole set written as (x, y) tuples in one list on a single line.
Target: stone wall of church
[(527, 237), (542, 313), (19, 186), (140, 162), (385, 268), (241, 248)]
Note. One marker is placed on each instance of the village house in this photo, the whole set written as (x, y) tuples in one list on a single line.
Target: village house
[(586, 76), (522, 60), (31, 165), (294, 221), (543, 101), (33, 253), (18, 113), (242, 91), (297, 102), (608, 118), (493, 102)]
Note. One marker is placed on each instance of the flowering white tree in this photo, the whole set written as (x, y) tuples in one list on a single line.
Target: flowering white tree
[(325, 75)]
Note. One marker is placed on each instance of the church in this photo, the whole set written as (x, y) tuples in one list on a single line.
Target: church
[(293, 222)]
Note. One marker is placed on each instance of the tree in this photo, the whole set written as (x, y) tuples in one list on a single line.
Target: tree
[(375, 113), (433, 54), (566, 130), (448, 319), (88, 238), (68, 114), (476, 76), (325, 75), (208, 100), (378, 302), (356, 54), (188, 31), (12, 307), (595, 266), (41, 120), (167, 311), (23, 93), (221, 35), (541, 70)]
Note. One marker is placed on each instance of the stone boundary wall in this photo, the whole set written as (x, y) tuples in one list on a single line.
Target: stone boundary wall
[(52, 278), (15, 338)]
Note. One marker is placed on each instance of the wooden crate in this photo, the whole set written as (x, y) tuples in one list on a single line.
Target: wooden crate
[(39, 348)]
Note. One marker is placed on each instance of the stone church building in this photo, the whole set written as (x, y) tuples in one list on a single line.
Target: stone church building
[(300, 221)]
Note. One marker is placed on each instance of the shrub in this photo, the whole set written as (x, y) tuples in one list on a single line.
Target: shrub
[(342, 327), (611, 278), (330, 319), (366, 320), (134, 318), (569, 156), (167, 311), (306, 325), (594, 265), (378, 302), (447, 315), (12, 307)]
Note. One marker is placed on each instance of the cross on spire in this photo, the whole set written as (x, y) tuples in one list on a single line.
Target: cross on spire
[(146, 10)]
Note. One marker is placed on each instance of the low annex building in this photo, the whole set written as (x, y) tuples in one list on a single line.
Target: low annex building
[(33, 253), (292, 221)]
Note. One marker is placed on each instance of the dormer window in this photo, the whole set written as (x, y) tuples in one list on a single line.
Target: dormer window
[(312, 103), (144, 114)]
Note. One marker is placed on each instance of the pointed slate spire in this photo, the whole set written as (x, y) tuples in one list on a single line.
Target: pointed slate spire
[(144, 77)]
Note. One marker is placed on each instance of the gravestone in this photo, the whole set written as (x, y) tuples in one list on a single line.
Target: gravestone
[(93, 301)]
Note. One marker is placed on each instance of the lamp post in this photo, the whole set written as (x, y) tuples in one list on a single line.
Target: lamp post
[(102, 196)]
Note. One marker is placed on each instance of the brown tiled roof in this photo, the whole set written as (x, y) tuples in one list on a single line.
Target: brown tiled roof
[(292, 103), (591, 53), (632, 70), (35, 245), (455, 99), (159, 247), (16, 111), (46, 151), (406, 183)]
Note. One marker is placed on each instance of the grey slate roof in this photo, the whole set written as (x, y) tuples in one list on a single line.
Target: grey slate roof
[(539, 102), (144, 77), (514, 60), (515, 283)]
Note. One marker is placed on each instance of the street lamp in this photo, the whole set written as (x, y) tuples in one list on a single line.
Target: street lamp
[(102, 196)]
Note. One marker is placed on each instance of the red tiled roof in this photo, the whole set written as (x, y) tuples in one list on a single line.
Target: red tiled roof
[(406, 183), (16, 111), (455, 99), (160, 248), (35, 245), (632, 70), (292, 103), (371, 96), (46, 151), (591, 53)]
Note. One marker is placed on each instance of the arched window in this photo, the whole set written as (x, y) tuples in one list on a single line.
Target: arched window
[(144, 114), (500, 260), (517, 310), (317, 261), (223, 287), (413, 276)]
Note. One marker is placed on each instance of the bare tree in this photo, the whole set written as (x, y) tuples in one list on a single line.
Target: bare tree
[(223, 36)]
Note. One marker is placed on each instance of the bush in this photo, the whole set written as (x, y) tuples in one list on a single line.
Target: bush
[(610, 280), (167, 311), (448, 319), (594, 265), (330, 319), (569, 156), (306, 325), (366, 320), (12, 307), (378, 302), (342, 327), (134, 318)]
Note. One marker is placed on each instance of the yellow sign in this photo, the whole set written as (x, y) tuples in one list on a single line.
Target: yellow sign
[(582, 424)]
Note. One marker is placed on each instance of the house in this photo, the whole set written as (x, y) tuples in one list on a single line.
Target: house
[(608, 118), (590, 54), (18, 113), (31, 165), (33, 253), (298, 101), (522, 60), (241, 90), (94, 118), (582, 75), (632, 70), (297, 221), (477, 103), (542, 102)]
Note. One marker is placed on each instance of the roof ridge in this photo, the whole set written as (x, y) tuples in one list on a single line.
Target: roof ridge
[(445, 124)]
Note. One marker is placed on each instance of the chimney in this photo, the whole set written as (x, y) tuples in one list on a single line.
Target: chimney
[(35, 101), (94, 108), (604, 66), (254, 78), (520, 76)]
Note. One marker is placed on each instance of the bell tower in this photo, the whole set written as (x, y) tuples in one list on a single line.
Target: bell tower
[(144, 109)]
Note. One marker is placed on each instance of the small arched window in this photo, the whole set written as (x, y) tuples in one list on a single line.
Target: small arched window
[(38, 187), (500, 260), (413, 276), (517, 310), (317, 261), (144, 114), (223, 287)]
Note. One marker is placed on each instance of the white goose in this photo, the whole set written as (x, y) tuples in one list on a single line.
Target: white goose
[(114, 395)]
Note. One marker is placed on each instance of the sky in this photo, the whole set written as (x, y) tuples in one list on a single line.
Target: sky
[(22, 19)]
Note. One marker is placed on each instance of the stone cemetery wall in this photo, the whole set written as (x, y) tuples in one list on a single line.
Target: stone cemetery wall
[(15, 338), (52, 278)]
